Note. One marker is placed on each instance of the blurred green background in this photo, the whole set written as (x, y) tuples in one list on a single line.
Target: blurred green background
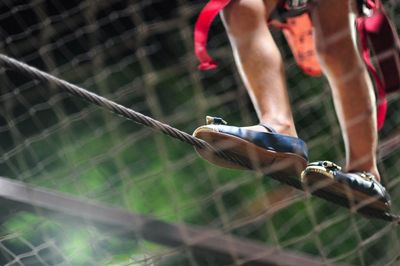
[(139, 53)]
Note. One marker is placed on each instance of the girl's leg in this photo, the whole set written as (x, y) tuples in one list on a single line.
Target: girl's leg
[(351, 86), (259, 62)]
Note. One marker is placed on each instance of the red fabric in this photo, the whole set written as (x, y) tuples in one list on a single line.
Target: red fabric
[(377, 34), (384, 43), (362, 28), (202, 27)]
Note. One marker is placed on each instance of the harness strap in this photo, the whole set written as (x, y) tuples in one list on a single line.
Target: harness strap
[(377, 34), (381, 94), (202, 27)]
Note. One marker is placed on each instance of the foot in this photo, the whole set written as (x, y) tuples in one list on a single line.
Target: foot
[(282, 129), (260, 147), (360, 189)]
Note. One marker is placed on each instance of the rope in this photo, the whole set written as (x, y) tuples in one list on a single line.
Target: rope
[(130, 114), (137, 117)]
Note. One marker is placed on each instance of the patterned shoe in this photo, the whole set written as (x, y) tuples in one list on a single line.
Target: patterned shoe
[(269, 151), (358, 188)]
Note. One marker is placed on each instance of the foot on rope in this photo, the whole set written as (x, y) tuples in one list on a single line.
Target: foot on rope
[(359, 189), (267, 151)]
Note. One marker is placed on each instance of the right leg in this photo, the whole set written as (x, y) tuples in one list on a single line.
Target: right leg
[(352, 89), (261, 67), (259, 62)]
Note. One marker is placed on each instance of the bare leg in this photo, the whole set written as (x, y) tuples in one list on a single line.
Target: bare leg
[(259, 62), (351, 87)]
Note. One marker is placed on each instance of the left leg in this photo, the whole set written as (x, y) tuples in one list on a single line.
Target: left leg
[(355, 108), (272, 146), (351, 86)]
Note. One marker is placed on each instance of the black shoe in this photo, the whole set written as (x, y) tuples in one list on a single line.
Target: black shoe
[(360, 189), (267, 151)]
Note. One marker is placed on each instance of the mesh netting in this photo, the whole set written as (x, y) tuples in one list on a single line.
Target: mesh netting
[(140, 54)]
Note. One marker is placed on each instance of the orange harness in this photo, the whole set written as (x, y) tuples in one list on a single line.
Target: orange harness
[(298, 31)]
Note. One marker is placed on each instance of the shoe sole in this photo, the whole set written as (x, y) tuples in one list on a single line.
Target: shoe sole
[(316, 178), (256, 157)]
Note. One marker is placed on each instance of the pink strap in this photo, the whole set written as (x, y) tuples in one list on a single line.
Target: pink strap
[(202, 27), (382, 102)]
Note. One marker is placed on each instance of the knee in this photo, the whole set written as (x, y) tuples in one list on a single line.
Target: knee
[(340, 55), (333, 34), (242, 17)]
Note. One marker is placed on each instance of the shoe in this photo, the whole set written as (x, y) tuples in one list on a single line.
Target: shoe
[(360, 189), (267, 151)]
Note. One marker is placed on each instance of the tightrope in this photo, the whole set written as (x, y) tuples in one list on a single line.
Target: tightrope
[(116, 108), (137, 117)]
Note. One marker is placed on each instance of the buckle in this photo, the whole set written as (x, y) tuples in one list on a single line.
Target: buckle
[(367, 176), (331, 166), (210, 120), (297, 4)]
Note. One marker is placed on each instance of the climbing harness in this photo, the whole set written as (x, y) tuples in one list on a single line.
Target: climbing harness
[(376, 35), (296, 25)]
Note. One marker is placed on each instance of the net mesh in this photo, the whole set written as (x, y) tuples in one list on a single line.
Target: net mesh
[(140, 54)]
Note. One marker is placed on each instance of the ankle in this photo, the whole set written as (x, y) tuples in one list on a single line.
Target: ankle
[(372, 170), (285, 128)]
